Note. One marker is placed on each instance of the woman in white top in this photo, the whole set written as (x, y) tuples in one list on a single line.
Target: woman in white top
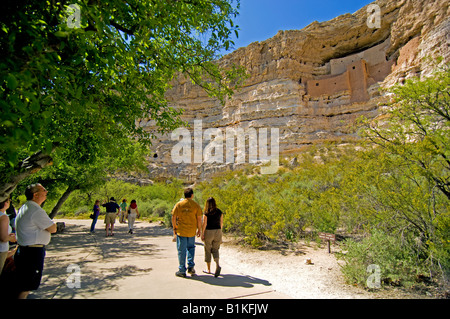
[(132, 214), (6, 234)]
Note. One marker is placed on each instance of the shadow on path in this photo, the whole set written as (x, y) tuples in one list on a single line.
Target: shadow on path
[(76, 246), (229, 280), (103, 262)]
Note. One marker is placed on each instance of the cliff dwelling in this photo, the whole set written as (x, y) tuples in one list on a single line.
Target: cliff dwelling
[(311, 84), (354, 73)]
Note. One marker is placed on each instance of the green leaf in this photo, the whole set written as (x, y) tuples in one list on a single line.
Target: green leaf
[(11, 82), (8, 123), (61, 34), (79, 92), (34, 106), (48, 147)]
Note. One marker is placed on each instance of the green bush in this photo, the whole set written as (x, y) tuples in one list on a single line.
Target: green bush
[(394, 257), (168, 219), (82, 210), (157, 208), (161, 207)]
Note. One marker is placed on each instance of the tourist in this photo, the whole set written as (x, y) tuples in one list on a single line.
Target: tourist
[(11, 212), (133, 212), (33, 231), (95, 214), (186, 221), (112, 210), (123, 209), (6, 234), (212, 234)]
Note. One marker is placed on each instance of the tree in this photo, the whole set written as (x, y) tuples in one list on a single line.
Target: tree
[(132, 157), (413, 137), (73, 74), (418, 127)]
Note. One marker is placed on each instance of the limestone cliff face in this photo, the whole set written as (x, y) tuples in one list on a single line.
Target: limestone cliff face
[(312, 84)]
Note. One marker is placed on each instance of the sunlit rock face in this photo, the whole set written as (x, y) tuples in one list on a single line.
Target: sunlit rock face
[(310, 84)]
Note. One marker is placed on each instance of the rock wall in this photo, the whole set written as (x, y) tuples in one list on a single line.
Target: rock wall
[(311, 84)]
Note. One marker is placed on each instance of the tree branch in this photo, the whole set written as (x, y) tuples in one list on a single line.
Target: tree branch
[(27, 167), (122, 28)]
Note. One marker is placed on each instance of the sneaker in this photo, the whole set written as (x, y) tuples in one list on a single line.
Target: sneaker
[(180, 274), (191, 271)]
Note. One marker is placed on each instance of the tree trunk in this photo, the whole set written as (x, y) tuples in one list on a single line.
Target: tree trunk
[(61, 201), (27, 167)]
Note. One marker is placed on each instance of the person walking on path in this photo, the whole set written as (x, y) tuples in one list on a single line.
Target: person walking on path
[(33, 231), (112, 210), (132, 214), (212, 234), (123, 209), (186, 221), (6, 233), (95, 214)]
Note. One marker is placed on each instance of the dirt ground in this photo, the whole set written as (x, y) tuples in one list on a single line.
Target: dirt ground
[(286, 268)]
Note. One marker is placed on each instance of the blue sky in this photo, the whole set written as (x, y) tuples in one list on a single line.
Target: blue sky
[(260, 20)]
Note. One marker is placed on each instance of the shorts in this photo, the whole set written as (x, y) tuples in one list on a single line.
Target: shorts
[(110, 218), (29, 262)]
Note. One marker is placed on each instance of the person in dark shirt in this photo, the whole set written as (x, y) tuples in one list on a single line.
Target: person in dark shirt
[(212, 234), (112, 210)]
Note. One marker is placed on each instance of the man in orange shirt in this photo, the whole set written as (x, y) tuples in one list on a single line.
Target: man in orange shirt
[(186, 221)]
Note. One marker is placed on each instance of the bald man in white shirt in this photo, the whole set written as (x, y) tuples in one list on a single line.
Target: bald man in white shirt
[(33, 232)]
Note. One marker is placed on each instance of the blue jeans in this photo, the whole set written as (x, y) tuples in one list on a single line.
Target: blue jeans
[(94, 221), (185, 245)]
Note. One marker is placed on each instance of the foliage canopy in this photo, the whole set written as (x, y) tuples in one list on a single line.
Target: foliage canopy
[(73, 86)]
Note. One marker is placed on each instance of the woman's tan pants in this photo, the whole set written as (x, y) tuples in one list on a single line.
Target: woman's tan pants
[(213, 239)]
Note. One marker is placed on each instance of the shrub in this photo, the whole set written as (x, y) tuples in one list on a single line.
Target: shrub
[(161, 207), (168, 219), (396, 261), (82, 210), (145, 209)]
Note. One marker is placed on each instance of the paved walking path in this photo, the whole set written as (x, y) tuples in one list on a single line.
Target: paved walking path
[(82, 265)]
